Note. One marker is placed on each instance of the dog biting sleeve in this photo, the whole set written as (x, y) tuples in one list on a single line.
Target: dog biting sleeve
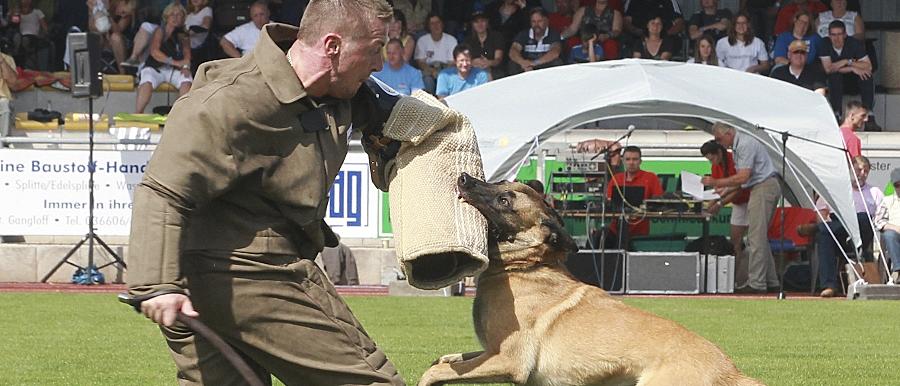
[(439, 239)]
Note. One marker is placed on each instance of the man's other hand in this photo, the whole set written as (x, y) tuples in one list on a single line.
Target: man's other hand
[(163, 309)]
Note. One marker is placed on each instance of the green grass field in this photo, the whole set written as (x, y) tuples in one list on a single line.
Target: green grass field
[(91, 339)]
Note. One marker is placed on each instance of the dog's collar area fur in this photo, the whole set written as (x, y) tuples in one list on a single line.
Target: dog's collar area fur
[(522, 264)]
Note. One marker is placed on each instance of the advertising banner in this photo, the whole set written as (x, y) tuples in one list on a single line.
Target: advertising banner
[(45, 192)]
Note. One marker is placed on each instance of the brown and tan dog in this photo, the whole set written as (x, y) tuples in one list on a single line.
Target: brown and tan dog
[(541, 326)]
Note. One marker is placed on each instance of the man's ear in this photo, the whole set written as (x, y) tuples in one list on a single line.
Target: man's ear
[(558, 237), (333, 44)]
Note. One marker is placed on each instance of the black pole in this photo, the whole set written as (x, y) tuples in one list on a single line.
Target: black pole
[(91, 235)]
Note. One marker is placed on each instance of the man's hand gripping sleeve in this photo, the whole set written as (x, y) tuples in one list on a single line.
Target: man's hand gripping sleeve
[(372, 106)]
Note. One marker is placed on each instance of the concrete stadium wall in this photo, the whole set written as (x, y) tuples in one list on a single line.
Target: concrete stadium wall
[(32, 259)]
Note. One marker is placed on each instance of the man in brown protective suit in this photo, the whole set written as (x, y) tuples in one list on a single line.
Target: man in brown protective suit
[(229, 215)]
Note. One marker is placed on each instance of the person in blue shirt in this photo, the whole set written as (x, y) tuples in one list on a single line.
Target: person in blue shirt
[(462, 76), (590, 49), (397, 73), (803, 30)]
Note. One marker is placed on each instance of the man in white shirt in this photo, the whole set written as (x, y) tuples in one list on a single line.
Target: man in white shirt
[(434, 51), (887, 220), (241, 40)]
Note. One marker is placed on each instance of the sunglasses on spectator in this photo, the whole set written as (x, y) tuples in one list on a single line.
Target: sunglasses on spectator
[(799, 52)]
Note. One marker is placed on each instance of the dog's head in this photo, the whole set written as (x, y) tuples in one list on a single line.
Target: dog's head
[(516, 215)]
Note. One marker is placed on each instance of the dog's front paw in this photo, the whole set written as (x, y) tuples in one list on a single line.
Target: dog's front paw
[(449, 358)]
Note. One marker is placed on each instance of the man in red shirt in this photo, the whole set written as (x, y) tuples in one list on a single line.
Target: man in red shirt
[(855, 118), (634, 176)]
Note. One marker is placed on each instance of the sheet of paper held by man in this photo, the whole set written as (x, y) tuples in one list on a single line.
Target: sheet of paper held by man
[(690, 184)]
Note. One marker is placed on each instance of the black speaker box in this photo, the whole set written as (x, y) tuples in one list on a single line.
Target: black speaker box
[(84, 55), (600, 268)]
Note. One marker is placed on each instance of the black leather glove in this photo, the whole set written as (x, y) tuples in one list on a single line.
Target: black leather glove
[(372, 106)]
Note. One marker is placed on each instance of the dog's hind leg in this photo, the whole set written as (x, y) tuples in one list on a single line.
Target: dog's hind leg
[(486, 368)]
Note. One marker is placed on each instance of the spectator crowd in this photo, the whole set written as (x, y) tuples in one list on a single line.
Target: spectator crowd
[(446, 46)]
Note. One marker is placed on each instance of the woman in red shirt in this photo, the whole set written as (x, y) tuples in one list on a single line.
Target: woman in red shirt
[(723, 166)]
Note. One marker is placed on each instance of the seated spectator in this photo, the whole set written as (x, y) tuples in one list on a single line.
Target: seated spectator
[(170, 57), (31, 43), (802, 31), (866, 199), (397, 30), (241, 40), (8, 77), (799, 71), (508, 17), (761, 14), (122, 30), (710, 20), (654, 45), (561, 19), (140, 45), (198, 23), (704, 52), (634, 176), (741, 50), (417, 13), (607, 21), (536, 47), (786, 13), (589, 50), (853, 21), (487, 46), (639, 12), (854, 120), (845, 60), (461, 77), (397, 73), (434, 51), (887, 220), (457, 14)]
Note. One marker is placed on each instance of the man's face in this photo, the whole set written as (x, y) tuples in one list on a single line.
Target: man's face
[(260, 15), (837, 36), (395, 55), (709, 4), (725, 139), (538, 24), (858, 117), (798, 57), (357, 58), (463, 62), (435, 26), (632, 162)]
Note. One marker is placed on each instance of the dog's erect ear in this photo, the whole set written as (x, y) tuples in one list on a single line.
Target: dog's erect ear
[(558, 237)]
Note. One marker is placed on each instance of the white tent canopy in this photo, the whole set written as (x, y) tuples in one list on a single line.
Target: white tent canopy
[(514, 115)]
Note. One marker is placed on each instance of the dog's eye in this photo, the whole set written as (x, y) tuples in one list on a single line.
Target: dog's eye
[(503, 201)]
